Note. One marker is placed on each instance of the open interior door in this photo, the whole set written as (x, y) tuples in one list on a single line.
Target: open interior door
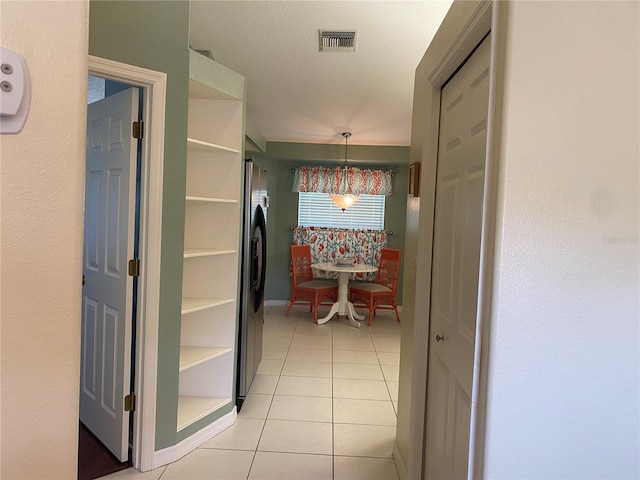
[(107, 302)]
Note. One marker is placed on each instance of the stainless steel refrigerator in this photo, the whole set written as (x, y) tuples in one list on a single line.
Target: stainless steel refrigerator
[(254, 264)]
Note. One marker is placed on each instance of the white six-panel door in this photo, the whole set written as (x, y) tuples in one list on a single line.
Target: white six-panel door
[(456, 257), (108, 245)]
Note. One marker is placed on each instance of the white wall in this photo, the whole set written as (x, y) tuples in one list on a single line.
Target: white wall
[(42, 183), (564, 372)]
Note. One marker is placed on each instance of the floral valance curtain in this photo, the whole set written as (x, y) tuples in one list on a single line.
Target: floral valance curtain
[(328, 244), (332, 180)]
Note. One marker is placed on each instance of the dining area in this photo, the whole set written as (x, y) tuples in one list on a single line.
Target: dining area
[(345, 282)]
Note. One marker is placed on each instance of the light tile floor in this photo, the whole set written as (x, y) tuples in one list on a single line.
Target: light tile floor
[(322, 406)]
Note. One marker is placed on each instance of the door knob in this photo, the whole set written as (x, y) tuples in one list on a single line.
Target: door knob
[(439, 338)]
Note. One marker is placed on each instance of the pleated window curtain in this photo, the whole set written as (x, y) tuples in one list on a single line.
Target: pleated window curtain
[(330, 180)]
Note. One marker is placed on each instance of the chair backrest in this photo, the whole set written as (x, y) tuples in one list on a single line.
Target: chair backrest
[(301, 264), (388, 268)]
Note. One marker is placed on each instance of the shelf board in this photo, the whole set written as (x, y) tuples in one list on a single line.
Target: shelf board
[(192, 356), (190, 198), (206, 252), (195, 304), (202, 146), (192, 409)]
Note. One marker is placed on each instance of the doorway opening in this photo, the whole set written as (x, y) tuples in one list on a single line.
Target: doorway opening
[(111, 243), (146, 90)]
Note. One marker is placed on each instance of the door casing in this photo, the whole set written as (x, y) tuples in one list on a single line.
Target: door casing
[(154, 85), (464, 27)]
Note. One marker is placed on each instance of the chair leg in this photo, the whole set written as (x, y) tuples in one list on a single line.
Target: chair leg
[(397, 314), (314, 306), (286, 314)]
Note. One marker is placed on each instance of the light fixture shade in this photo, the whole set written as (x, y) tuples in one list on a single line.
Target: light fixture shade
[(344, 201)]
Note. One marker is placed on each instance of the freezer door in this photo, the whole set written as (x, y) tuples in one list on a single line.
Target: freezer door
[(254, 269)]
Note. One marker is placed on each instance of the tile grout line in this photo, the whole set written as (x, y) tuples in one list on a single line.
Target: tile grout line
[(333, 392), (386, 383), (333, 415), (163, 471), (264, 425)]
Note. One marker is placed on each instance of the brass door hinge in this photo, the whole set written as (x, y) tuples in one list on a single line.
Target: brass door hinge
[(134, 267), (130, 402), (137, 130)]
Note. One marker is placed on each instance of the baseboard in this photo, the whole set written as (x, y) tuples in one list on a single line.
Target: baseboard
[(176, 452), (276, 303), (402, 470)]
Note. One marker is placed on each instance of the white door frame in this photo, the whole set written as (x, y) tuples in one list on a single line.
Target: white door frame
[(465, 25), (154, 85)]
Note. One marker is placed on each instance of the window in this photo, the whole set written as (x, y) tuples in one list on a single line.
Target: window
[(317, 210)]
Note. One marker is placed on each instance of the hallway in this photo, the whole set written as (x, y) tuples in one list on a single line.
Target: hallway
[(323, 406)]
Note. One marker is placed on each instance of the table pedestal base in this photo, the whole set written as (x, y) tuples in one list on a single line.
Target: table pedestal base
[(343, 306)]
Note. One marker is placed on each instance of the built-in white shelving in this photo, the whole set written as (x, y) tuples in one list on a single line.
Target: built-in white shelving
[(212, 242)]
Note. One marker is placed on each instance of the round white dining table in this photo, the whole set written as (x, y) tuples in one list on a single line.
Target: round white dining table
[(343, 306)]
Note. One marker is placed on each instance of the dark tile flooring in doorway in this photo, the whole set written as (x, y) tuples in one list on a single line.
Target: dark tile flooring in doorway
[(94, 459)]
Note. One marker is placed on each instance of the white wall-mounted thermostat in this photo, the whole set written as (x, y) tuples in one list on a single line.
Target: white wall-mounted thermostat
[(15, 91)]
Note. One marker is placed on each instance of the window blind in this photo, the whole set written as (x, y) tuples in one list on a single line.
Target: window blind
[(317, 210)]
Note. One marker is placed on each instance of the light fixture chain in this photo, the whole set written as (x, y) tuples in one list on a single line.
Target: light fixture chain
[(344, 200), (346, 136)]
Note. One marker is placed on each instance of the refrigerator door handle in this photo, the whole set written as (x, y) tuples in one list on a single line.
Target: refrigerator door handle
[(255, 264), (258, 258)]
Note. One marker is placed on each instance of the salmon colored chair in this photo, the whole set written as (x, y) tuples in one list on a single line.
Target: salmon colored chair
[(305, 289), (381, 294)]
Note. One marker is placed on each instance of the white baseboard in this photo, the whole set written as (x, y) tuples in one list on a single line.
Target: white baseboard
[(402, 470), (276, 303), (176, 452)]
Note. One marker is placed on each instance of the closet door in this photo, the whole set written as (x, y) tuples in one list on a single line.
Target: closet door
[(456, 260)]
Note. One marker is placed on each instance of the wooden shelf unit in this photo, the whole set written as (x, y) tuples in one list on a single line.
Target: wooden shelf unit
[(215, 142)]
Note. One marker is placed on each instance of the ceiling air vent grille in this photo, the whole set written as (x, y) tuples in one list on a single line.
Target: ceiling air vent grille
[(337, 40)]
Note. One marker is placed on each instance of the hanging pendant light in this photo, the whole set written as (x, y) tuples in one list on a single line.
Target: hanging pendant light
[(344, 201)]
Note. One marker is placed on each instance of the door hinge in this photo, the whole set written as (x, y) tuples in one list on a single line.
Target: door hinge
[(130, 402), (137, 131), (134, 267)]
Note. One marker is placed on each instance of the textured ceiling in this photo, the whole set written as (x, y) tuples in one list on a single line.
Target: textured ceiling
[(296, 93)]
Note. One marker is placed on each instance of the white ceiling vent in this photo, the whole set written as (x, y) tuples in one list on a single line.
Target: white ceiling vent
[(337, 40)]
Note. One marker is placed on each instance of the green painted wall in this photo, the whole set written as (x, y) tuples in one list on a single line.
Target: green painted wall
[(279, 160), (155, 35)]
